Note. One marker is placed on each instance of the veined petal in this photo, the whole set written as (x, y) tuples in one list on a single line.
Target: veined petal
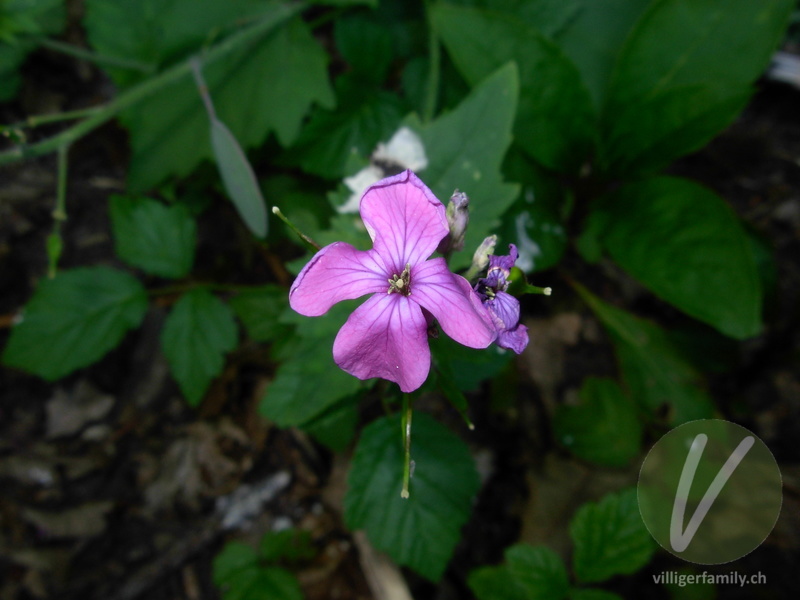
[(405, 220), (506, 307), (385, 337), (453, 302), (337, 272)]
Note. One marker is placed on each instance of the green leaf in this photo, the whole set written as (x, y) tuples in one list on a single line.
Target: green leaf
[(592, 594), (469, 367), (465, 150), (158, 239), (356, 32), (259, 310), (288, 544), (421, 531), (603, 428), (22, 22), (364, 117), (610, 538), (655, 372), (684, 72), (594, 38), (530, 573), (197, 334), (308, 383), (555, 121), (548, 16), (74, 319), (335, 427), (266, 86), (688, 247), (238, 178), (239, 575)]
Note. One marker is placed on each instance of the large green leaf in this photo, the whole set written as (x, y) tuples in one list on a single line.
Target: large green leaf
[(594, 38), (267, 86), (156, 238), (465, 150), (422, 530), (603, 428), (73, 320), (240, 575), (684, 73), (22, 23), (259, 309), (308, 384), (685, 244), (548, 16), (555, 121), (610, 538), (655, 372), (197, 334), (530, 573)]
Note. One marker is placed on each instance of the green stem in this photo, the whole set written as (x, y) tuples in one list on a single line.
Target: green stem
[(432, 84), (100, 59), (54, 242), (277, 212), (406, 426), (150, 86)]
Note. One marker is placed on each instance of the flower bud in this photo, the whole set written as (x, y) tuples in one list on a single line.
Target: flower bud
[(457, 221), (480, 260)]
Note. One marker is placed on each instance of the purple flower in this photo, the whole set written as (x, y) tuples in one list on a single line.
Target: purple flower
[(502, 306), (387, 335)]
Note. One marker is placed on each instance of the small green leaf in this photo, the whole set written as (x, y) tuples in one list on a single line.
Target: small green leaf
[(239, 179), (158, 239), (610, 538), (74, 319), (240, 576), (421, 531), (655, 372), (197, 334), (259, 310), (603, 428), (555, 121), (465, 150), (530, 573), (288, 544), (686, 245)]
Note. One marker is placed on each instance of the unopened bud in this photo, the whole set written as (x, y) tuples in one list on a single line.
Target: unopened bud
[(457, 221), (480, 260)]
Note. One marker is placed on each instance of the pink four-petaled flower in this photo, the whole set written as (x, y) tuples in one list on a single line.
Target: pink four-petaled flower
[(387, 335)]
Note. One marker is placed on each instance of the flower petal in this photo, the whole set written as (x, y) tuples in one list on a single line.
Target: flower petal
[(385, 337), (337, 272), (404, 219), (514, 339), (453, 302)]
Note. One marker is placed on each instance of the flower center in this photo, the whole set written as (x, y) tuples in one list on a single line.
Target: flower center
[(401, 283)]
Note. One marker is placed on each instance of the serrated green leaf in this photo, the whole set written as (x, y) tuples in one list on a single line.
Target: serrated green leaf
[(555, 121), (238, 178), (684, 72), (655, 372), (158, 239), (610, 538), (22, 22), (469, 367), (530, 573), (465, 150), (197, 334), (603, 428), (594, 37), (266, 86), (364, 117), (335, 427), (259, 310), (421, 531), (239, 575), (688, 247), (74, 319)]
